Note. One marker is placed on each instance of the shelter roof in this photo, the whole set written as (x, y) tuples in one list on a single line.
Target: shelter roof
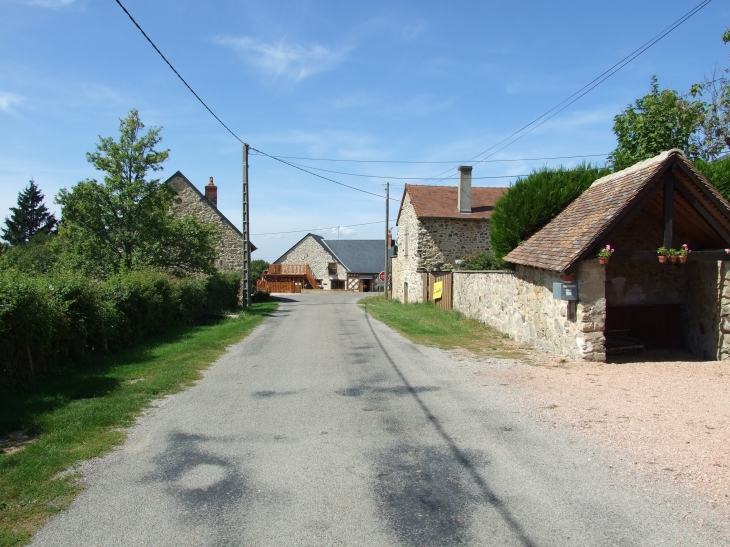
[(577, 230), (441, 201)]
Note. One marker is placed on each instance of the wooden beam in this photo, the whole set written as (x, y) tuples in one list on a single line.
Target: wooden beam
[(692, 199), (710, 254), (668, 208)]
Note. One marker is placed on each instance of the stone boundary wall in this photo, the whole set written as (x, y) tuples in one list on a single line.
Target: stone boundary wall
[(521, 304)]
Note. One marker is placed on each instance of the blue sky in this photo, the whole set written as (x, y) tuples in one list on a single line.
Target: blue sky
[(418, 81)]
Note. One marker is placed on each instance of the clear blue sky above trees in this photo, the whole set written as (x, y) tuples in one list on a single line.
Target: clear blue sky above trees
[(382, 80)]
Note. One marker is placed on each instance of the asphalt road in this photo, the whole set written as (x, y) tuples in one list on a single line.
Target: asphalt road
[(324, 427)]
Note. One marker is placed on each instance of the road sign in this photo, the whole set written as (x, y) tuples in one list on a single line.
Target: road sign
[(381, 276)]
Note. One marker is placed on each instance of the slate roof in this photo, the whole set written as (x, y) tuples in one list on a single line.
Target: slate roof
[(363, 256), (441, 201), (576, 230)]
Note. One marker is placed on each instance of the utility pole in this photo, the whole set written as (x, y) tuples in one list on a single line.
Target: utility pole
[(387, 204), (246, 273)]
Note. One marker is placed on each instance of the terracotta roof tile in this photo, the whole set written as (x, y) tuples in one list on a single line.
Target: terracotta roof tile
[(441, 201), (585, 221)]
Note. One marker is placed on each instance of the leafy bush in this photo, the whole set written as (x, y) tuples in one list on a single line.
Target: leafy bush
[(535, 200), (718, 173), (50, 321), (482, 260), (260, 296)]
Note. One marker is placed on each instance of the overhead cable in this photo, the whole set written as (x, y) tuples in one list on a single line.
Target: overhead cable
[(320, 229), (397, 178), (441, 161)]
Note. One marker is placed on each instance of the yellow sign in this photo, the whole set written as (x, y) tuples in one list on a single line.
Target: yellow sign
[(438, 288)]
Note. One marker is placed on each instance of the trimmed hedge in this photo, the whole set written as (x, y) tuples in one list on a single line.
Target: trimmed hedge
[(47, 322)]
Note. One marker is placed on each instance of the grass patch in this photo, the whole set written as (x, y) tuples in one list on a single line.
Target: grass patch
[(77, 414), (428, 325)]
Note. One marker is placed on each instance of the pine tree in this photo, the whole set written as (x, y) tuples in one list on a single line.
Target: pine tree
[(30, 217)]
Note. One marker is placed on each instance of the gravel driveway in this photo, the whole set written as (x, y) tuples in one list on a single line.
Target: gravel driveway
[(324, 427)]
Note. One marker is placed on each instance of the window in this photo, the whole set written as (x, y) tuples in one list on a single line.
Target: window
[(338, 284), (332, 268)]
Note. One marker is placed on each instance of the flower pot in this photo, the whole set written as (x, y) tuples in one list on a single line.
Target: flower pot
[(569, 277), (673, 259), (682, 259), (603, 260), (662, 259)]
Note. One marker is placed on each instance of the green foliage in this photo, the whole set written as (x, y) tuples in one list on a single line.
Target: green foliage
[(257, 268), (482, 260), (718, 173), (53, 320), (30, 217), (535, 200), (81, 412), (126, 223), (39, 256), (659, 121)]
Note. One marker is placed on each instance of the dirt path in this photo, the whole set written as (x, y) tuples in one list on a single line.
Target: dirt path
[(670, 418)]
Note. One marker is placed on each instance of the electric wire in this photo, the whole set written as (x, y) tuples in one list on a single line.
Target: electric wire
[(441, 161), (177, 73), (398, 178), (320, 229), (607, 73)]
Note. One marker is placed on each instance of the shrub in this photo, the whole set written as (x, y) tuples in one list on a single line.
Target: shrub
[(51, 321), (718, 173), (260, 296), (482, 260), (535, 200)]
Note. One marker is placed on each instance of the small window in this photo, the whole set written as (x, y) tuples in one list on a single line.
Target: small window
[(338, 284), (332, 268)]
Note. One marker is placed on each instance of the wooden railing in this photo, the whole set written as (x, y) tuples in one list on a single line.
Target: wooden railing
[(286, 286), (301, 270)]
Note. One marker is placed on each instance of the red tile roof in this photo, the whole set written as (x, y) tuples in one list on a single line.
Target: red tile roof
[(590, 217), (441, 201)]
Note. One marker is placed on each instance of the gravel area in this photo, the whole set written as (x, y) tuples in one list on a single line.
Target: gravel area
[(665, 413)]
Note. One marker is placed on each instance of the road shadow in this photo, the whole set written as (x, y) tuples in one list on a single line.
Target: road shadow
[(462, 477)]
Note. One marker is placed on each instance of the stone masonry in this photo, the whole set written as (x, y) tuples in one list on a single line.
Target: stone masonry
[(427, 243), (309, 251), (521, 304), (189, 201)]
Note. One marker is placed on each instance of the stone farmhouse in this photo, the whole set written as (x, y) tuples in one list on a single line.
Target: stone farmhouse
[(633, 301), (438, 225), (318, 263), (189, 200)]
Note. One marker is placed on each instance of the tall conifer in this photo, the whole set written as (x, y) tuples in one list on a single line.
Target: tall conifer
[(30, 217)]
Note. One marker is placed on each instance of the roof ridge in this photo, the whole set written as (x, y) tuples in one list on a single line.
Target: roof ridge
[(644, 164)]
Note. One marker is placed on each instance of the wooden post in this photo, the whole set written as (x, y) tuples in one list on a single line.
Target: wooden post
[(668, 209)]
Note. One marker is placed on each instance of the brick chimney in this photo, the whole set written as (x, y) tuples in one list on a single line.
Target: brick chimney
[(211, 192), (464, 199)]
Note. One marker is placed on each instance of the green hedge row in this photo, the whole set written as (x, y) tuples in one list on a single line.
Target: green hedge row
[(50, 321)]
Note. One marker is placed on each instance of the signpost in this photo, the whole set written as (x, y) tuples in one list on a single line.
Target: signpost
[(381, 276), (438, 289)]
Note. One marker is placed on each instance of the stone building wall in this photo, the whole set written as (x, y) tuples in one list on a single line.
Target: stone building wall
[(427, 243), (406, 265), (188, 201), (702, 315), (521, 304), (724, 310), (309, 251)]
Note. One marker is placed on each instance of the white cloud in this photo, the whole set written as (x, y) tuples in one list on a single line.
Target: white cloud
[(8, 100), (285, 59), (49, 3)]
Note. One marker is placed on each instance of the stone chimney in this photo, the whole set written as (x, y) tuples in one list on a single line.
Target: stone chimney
[(211, 192), (464, 199)]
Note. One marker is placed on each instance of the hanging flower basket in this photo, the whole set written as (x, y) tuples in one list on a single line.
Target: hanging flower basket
[(605, 254), (683, 253)]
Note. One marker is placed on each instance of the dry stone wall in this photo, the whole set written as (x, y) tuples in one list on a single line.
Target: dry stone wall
[(521, 304), (188, 201)]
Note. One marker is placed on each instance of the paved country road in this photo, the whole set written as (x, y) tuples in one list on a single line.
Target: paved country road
[(324, 427)]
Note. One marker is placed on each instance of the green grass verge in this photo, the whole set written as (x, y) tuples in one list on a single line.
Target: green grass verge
[(446, 329), (78, 414)]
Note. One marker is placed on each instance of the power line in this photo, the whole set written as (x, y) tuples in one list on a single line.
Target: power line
[(320, 229), (398, 178), (607, 73), (177, 73), (442, 161), (318, 175)]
